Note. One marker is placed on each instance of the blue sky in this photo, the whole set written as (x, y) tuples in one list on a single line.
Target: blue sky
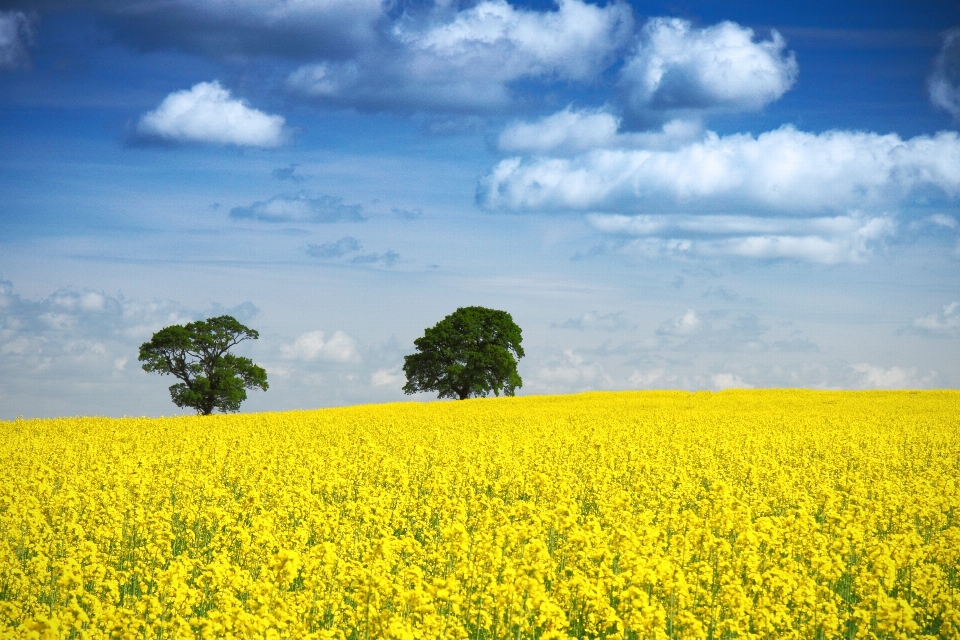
[(663, 195)]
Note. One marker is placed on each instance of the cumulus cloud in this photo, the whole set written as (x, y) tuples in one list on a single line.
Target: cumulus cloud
[(16, 35), (895, 377), (567, 372), (944, 323), (314, 345), (728, 381), (786, 169), (565, 130), (207, 113), (388, 377), (678, 190), (721, 67), (294, 29), (944, 83), (300, 207), (467, 60), (574, 131)]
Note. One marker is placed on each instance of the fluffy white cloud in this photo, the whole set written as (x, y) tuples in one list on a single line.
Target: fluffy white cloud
[(728, 381), (388, 377), (644, 378), (16, 34), (314, 345), (466, 60), (300, 207), (676, 66), (564, 130), (944, 84), (893, 378), (785, 169), (574, 131), (823, 197), (566, 373), (943, 323), (207, 113)]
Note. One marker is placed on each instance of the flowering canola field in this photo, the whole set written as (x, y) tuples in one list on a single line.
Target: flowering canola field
[(740, 514)]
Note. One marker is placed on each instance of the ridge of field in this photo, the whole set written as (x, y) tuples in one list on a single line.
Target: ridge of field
[(655, 514)]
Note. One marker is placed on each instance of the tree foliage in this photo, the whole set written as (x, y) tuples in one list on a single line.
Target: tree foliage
[(196, 353), (471, 352)]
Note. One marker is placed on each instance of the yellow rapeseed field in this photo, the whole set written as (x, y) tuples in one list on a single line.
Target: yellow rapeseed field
[(740, 514)]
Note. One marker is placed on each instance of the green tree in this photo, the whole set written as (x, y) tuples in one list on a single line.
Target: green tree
[(471, 352), (196, 353)]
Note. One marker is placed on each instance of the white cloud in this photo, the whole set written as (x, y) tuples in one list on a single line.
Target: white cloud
[(313, 345), (893, 378), (566, 130), (644, 379), (728, 381), (824, 240), (571, 131), (944, 83), (207, 113), (786, 169), (725, 225), (388, 377), (16, 34), (943, 220), (73, 350), (685, 325), (466, 60), (566, 373), (593, 321), (300, 207), (943, 323), (679, 67), (721, 331)]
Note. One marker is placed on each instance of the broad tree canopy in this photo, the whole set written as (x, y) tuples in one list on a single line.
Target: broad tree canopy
[(196, 353), (471, 352)]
